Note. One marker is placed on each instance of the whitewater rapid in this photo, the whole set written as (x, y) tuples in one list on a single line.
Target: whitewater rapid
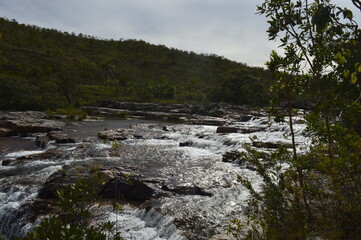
[(159, 155)]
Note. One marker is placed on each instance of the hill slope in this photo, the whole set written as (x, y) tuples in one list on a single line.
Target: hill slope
[(44, 68)]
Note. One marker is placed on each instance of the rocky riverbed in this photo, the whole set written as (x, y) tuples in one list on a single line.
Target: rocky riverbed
[(182, 161)]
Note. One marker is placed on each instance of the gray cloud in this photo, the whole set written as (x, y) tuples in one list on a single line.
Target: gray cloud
[(228, 28)]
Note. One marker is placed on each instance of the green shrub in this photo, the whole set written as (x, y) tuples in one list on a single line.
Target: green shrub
[(71, 113), (73, 222)]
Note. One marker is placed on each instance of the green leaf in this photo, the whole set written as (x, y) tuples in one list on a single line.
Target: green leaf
[(353, 78), (346, 73), (339, 58), (348, 14), (321, 17), (358, 67)]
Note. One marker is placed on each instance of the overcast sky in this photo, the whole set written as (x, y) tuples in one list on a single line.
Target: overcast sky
[(228, 28)]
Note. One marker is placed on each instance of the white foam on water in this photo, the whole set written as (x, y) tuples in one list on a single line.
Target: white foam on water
[(142, 224), (23, 153), (155, 142), (101, 146), (193, 153)]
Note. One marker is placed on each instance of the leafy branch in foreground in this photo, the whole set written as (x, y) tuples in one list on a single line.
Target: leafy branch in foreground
[(74, 220), (315, 194)]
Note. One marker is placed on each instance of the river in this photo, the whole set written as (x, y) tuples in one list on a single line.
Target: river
[(158, 154)]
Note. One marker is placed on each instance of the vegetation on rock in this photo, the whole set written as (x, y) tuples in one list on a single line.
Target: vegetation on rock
[(74, 220)]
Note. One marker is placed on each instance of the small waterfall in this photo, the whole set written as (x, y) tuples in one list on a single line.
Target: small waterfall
[(164, 224), (145, 224), (14, 209)]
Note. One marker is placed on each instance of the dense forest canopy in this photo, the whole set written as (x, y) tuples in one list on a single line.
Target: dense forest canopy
[(45, 69)]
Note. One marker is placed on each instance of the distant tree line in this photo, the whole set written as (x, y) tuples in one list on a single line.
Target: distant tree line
[(46, 69)]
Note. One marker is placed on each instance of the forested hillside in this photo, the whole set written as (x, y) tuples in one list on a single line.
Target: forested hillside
[(45, 69)]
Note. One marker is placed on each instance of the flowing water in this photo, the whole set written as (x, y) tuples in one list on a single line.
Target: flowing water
[(158, 155)]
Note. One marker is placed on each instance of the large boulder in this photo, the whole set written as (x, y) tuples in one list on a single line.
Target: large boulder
[(70, 175), (107, 183), (127, 188)]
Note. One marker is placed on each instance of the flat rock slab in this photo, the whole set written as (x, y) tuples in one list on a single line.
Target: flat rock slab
[(225, 129), (273, 145), (27, 122), (60, 137)]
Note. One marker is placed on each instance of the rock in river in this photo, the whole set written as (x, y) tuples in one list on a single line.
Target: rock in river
[(224, 129), (113, 185), (24, 123), (118, 134)]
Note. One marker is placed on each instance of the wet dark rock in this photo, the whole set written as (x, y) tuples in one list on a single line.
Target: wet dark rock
[(207, 121), (42, 207), (59, 137), (200, 136), (28, 122), (42, 141), (61, 179), (127, 188), (113, 184), (273, 145), (231, 156), (6, 132), (46, 203), (7, 162), (186, 144), (55, 182), (227, 129), (187, 190)]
